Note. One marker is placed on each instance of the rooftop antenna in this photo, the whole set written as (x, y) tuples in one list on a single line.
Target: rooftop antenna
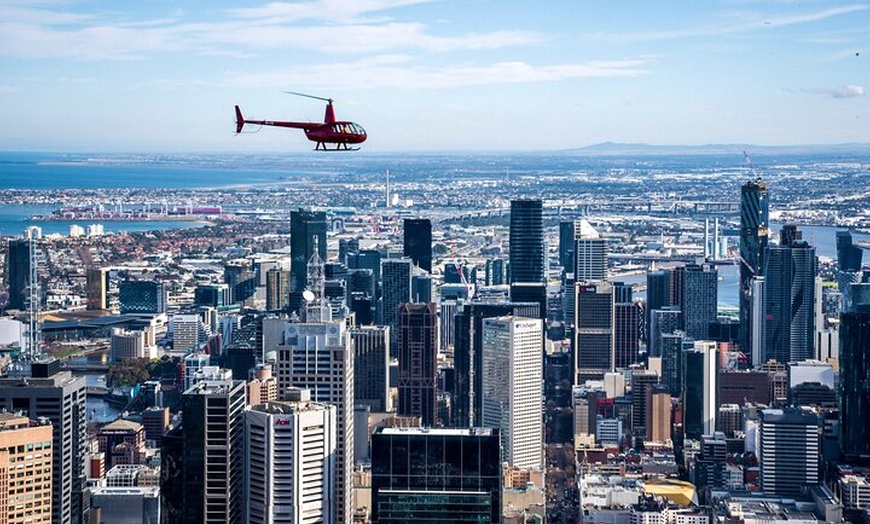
[(388, 189)]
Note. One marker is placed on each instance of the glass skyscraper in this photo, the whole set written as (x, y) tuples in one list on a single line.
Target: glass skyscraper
[(418, 242), (307, 230), (854, 382), (754, 217), (18, 273), (527, 254)]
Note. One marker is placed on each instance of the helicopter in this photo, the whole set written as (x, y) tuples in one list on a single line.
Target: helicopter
[(340, 134)]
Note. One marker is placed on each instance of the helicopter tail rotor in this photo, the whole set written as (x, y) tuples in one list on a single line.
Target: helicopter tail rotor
[(240, 121)]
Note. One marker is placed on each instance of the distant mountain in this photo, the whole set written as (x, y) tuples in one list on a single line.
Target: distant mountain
[(618, 148)]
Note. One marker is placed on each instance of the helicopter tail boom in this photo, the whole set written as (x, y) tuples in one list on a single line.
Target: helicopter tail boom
[(240, 121)]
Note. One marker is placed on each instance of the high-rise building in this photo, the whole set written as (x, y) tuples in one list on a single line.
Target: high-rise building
[(444, 476), (371, 362), (512, 375), (672, 347), (854, 388), (789, 299), (789, 450), (418, 242), (213, 451), (397, 280), (188, 332), (418, 362), (642, 381), (317, 355), (143, 297), (212, 295), (626, 334), (18, 273), (662, 322), (566, 246), (754, 216), (527, 253), (123, 442), (848, 267), (290, 461), (59, 397), (700, 370), (277, 289), (25, 470), (307, 234), (593, 332), (658, 414), (700, 300), (468, 355), (96, 288), (242, 281), (590, 253)]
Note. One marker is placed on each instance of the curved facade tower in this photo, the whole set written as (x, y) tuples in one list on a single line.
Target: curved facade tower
[(754, 217)]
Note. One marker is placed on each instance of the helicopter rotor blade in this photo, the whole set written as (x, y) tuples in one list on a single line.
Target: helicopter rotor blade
[(329, 100)]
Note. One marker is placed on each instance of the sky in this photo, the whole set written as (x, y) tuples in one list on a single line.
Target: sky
[(432, 75)]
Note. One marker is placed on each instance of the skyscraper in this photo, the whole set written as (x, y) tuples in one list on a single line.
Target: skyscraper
[(789, 447), (512, 375), (396, 290), (854, 385), (700, 371), (527, 253), (277, 289), (754, 216), (25, 470), (566, 246), (626, 334), (662, 322), (213, 451), (593, 334), (143, 297), (848, 267), (59, 397), (18, 273), (700, 300), (590, 254), (642, 380), (418, 242), (468, 355), (789, 299), (290, 461), (429, 476), (96, 287), (418, 366), (307, 233), (371, 360)]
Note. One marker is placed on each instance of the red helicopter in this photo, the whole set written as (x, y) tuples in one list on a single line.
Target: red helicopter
[(342, 134)]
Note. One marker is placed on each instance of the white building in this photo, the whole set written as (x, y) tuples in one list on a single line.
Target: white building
[(131, 344), (608, 430), (512, 375), (854, 491), (290, 461)]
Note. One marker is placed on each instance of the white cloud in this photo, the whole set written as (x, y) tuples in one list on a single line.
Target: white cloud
[(849, 91)]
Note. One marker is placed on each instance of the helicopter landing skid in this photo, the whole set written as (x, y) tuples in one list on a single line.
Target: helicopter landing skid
[(321, 146)]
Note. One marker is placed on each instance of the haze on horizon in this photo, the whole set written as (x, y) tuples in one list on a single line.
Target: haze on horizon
[(432, 75)]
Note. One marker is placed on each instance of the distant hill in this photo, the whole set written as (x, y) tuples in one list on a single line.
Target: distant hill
[(618, 148)]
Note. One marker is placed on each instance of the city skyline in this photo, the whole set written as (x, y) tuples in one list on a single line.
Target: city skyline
[(433, 76)]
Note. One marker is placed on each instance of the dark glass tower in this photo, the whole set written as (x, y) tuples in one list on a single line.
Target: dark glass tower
[(18, 273), (307, 229), (789, 299), (754, 216), (418, 362), (527, 254), (143, 296), (566, 246), (418, 242), (855, 383), (437, 476), (700, 300), (849, 267)]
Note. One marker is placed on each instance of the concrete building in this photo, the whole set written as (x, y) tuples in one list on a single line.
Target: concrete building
[(371, 359), (25, 470), (789, 450), (127, 505)]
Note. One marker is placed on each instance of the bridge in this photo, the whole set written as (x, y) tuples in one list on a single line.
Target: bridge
[(85, 368)]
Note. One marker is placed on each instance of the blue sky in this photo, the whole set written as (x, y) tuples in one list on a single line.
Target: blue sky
[(454, 75)]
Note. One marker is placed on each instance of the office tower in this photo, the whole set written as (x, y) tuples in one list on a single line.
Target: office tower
[(789, 299), (512, 375), (700, 300), (421, 286), (754, 216), (290, 461), (213, 451), (447, 323), (657, 290), (740, 387), (700, 371), (371, 360), (848, 267), (307, 234), (444, 476), (277, 290), (59, 397), (262, 386), (642, 380), (593, 332), (788, 450), (397, 273), (418, 242), (25, 470), (18, 273), (590, 264), (658, 414), (622, 293), (96, 288), (531, 292), (468, 355), (126, 344), (317, 355), (418, 356), (188, 332), (241, 279), (155, 420), (527, 253), (366, 259), (123, 442), (854, 386), (126, 504), (566, 246), (143, 297), (662, 322), (672, 346), (212, 295), (495, 272), (626, 334)]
